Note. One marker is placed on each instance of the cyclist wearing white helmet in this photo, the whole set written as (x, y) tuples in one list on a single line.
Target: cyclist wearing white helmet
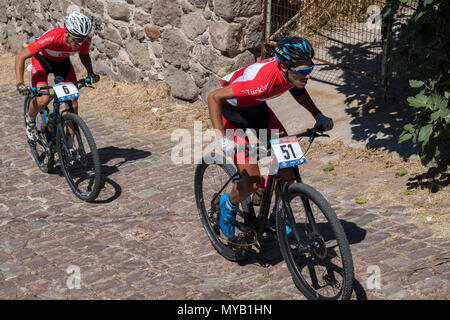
[(51, 54), (241, 104)]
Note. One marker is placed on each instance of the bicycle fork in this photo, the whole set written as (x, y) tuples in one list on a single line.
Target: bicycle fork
[(284, 196)]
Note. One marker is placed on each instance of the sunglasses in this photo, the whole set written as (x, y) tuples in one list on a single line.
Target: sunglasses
[(76, 39), (303, 71)]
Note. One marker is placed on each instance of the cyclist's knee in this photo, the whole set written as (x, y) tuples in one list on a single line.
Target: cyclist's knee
[(249, 185), (42, 101), (39, 103)]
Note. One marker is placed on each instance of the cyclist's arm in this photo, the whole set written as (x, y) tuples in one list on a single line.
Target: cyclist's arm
[(305, 100), (20, 64), (87, 62), (215, 100)]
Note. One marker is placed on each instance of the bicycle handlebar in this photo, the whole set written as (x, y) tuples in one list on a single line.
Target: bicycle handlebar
[(311, 133), (86, 82)]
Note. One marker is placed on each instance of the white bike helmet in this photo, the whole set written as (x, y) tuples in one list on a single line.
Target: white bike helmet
[(78, 24)]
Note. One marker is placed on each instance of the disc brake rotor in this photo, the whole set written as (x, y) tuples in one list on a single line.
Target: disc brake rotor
[(318, 245)]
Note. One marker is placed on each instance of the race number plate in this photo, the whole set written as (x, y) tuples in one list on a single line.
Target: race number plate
[(66, 91), (288, 152)]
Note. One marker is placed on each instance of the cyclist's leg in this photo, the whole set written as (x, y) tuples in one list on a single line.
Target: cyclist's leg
[(247, 166), (249, 182), (38, 79)]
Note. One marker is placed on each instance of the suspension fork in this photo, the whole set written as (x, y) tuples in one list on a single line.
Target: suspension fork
[(284, 195), (58, 125), (306, 204)]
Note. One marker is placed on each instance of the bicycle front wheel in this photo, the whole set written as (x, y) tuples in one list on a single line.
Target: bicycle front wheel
[(316, 252), (80, 163)]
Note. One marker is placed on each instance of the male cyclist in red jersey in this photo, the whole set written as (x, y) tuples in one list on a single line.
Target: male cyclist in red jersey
[(50, 54), (240, 104)]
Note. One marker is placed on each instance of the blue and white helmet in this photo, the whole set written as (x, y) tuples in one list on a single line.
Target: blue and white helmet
[(78, 24), (293, 50)]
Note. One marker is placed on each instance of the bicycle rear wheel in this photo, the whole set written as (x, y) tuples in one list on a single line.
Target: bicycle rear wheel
[(80, 164), (209, 179), (324, 269), (40, 150)]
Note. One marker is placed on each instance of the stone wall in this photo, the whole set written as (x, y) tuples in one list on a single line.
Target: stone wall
[(181, 45)]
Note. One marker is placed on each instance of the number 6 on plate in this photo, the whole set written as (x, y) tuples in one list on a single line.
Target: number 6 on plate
[(66, 91)]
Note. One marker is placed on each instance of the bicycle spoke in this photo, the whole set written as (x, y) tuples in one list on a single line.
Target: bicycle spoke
[(80, 164), (40, 149), (216, 178), (321, 266)]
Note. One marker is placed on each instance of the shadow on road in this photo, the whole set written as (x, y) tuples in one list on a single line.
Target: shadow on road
[(433, 180), (110, 189)]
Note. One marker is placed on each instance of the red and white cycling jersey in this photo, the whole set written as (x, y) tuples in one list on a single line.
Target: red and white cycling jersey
[(256, 83), (53, 47)]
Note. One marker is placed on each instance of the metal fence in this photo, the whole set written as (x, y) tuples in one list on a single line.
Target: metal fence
[(347, 34)]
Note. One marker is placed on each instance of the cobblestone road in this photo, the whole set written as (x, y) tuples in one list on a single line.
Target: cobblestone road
[(142, 239)]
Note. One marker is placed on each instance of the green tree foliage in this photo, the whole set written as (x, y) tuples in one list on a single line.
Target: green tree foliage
[(424, 49)]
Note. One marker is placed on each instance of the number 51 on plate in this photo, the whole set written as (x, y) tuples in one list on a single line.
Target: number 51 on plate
[(288, 152)]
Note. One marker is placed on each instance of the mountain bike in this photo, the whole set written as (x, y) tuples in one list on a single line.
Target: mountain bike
[(316, 252), (80, 162)]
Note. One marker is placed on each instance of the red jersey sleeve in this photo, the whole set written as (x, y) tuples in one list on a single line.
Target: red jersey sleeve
[(37, 46)]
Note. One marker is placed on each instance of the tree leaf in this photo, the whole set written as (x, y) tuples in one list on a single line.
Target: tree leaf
[(436, 100), (360, 201), (420, 15), (405, 137), (416, 83), (408, 127), (435, 115), (418, 101), (425, 132), (401, 172)]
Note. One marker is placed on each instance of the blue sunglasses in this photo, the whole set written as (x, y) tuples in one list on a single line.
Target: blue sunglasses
[(75, 38), (303, 71)]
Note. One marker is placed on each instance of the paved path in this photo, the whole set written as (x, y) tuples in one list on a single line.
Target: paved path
[(143, 239)]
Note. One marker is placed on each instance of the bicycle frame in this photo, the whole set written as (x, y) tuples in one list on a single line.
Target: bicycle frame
[(56, 114), (272, 181), (259, 221), (56, 118)]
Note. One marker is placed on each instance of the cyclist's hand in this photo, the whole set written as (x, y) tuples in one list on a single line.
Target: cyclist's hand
[(23, 89), (323, 121), (93, 77), (228, 146)]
